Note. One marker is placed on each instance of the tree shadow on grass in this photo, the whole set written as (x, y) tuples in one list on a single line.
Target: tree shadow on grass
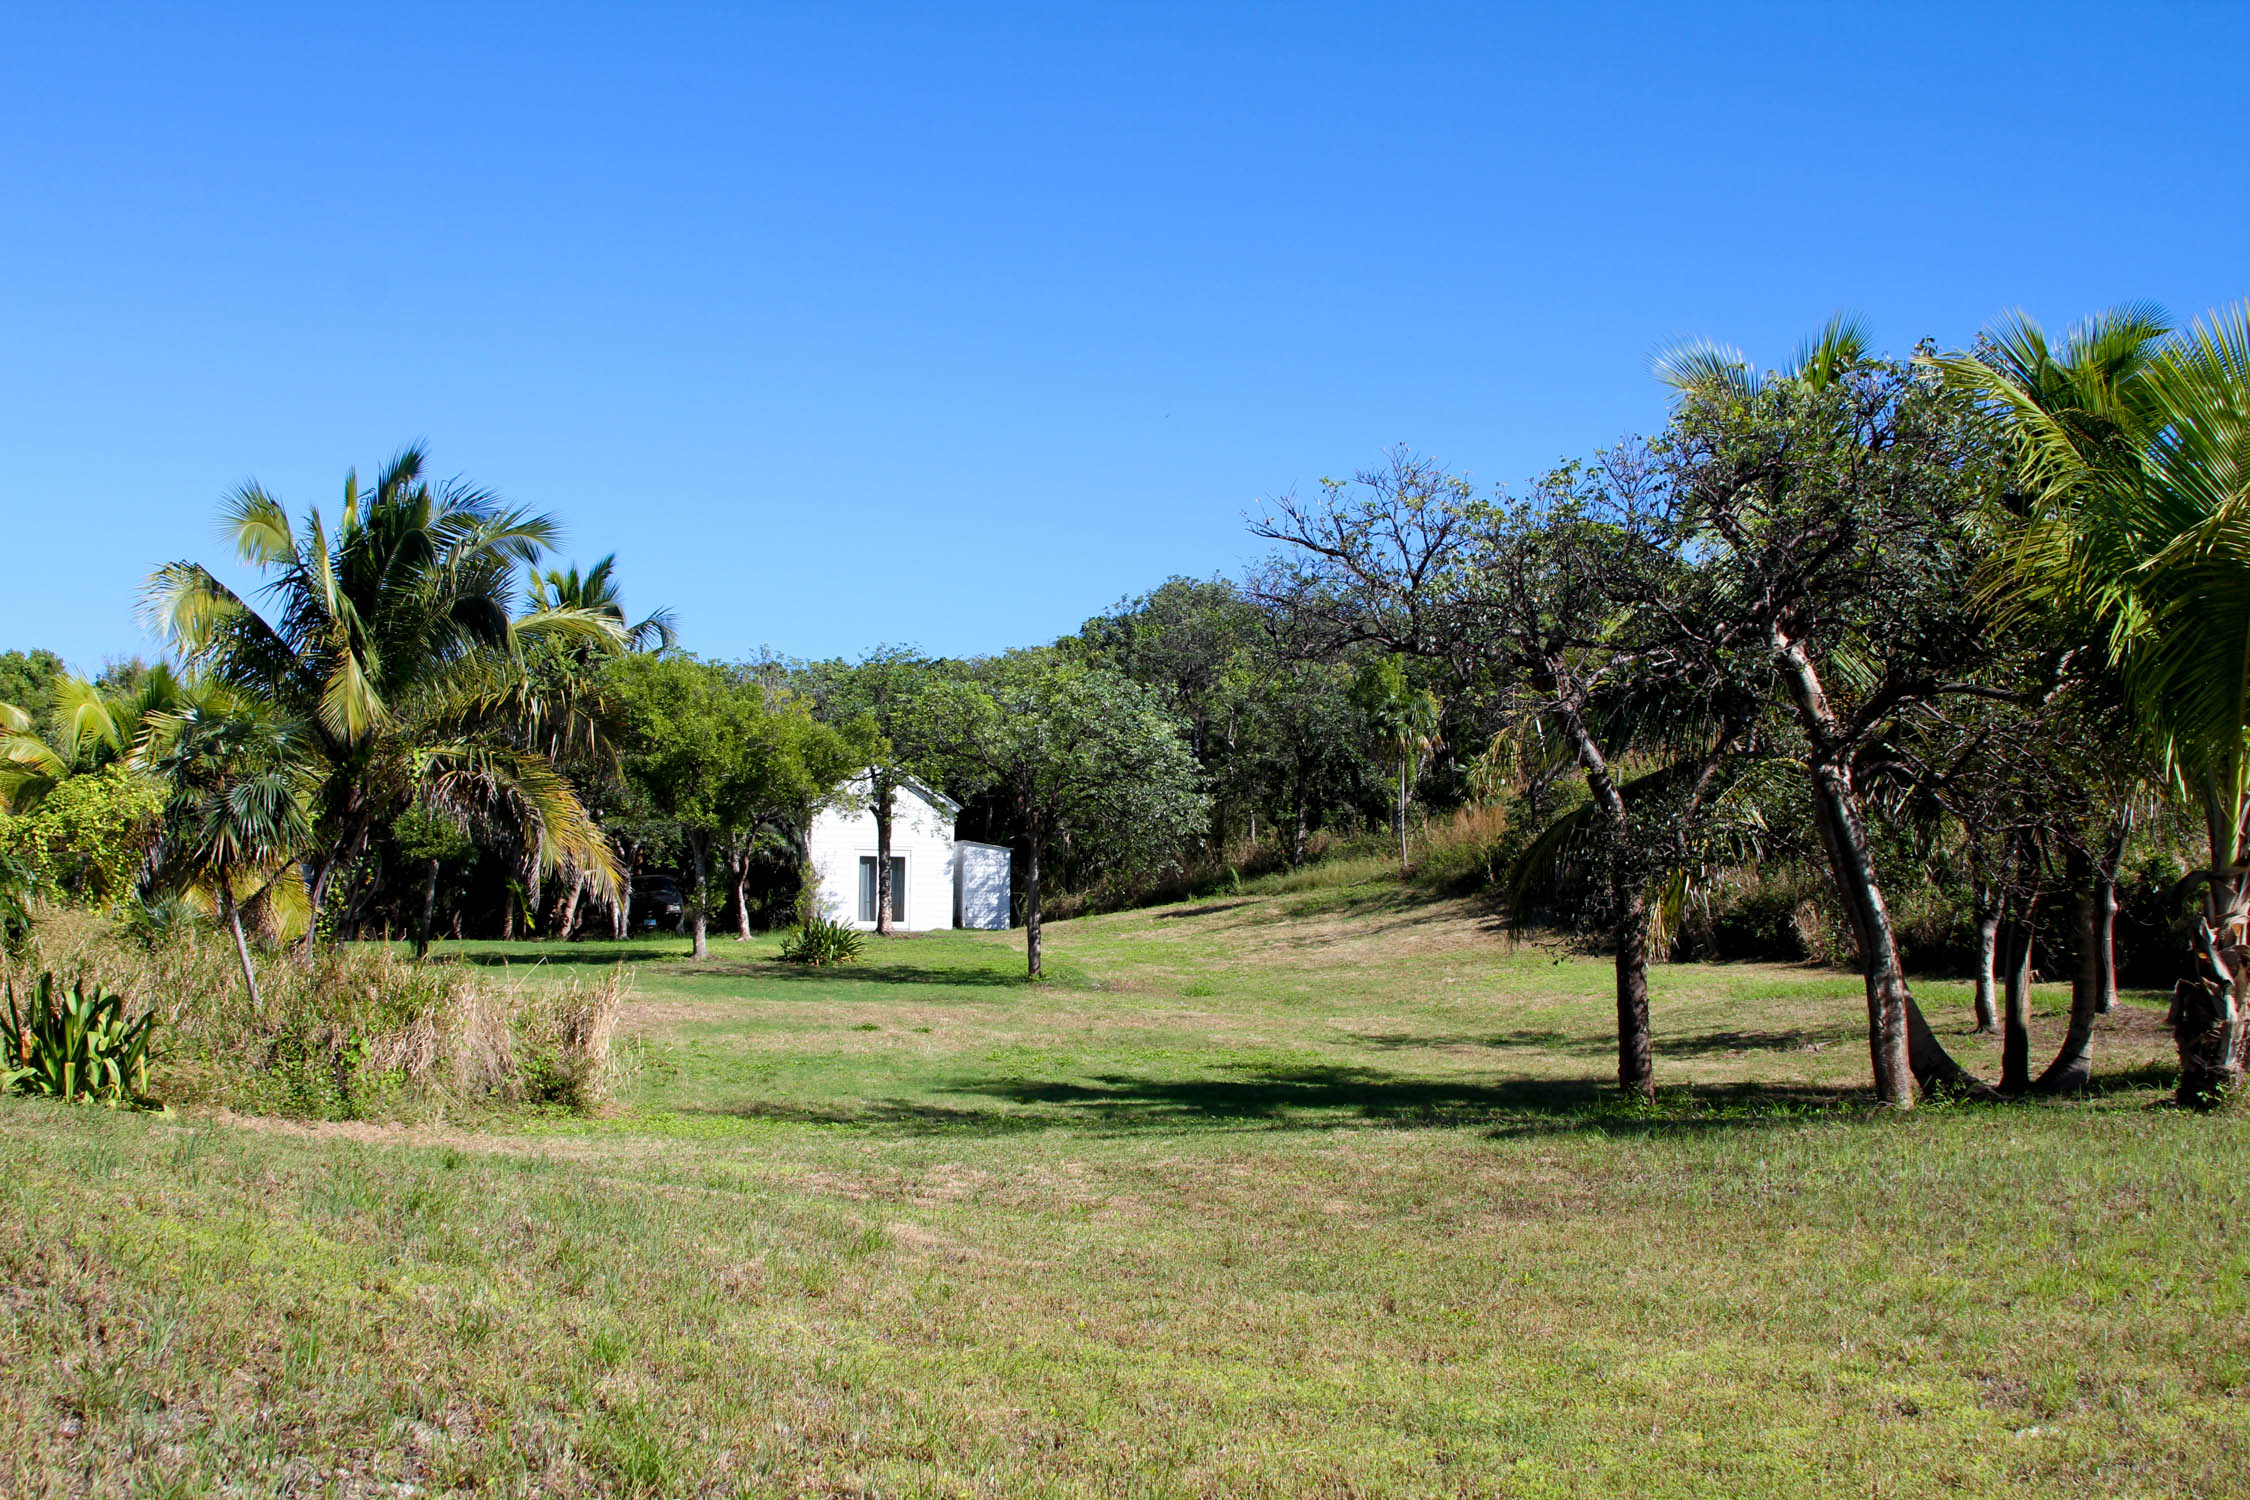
[(1706, 1044), (1312, 1099), (889, 972), (606, 958)]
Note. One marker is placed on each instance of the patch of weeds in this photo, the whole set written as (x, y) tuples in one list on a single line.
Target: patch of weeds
[(473, 1324), (633, 1452)]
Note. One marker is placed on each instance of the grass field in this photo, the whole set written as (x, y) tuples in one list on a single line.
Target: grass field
[(1300, 1194)]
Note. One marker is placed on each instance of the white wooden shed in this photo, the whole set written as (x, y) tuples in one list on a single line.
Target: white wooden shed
[(927, 863)]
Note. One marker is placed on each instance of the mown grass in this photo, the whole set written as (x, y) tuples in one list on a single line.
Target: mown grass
[(1309, 1192)]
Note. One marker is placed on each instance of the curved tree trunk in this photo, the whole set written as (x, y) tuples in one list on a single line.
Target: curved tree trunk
[(567, 927), (241, 945), (1900, 1044), (2073, 1067)]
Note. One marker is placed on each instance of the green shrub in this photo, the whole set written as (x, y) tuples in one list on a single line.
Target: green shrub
[(822, 941), (360, 1032), (75, 1046)]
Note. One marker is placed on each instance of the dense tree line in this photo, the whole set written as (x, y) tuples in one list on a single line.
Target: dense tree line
[(1947, 649)]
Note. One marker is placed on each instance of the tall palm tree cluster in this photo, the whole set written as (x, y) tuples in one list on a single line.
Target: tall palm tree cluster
[(387, 671)]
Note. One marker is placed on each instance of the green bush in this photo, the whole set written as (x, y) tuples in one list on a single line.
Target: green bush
[(822, 941), (360, 1032), (75, 1046)]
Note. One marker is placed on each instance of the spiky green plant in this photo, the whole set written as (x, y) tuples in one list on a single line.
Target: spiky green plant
[(75, 1046)]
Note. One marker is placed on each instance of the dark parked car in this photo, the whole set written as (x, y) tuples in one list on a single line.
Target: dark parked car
[(657, 902)]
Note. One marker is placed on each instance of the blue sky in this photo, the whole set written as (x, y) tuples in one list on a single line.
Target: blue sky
[(949, 325)]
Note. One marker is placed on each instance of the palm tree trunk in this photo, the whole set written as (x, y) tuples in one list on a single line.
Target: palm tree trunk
[(241, 945), (568, 926), (2207, 1015)]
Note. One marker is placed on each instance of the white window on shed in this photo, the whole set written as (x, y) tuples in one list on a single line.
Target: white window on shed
[(867, 886)]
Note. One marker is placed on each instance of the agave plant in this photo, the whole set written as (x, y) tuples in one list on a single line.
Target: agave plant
[(822, 940), (75, 1046)]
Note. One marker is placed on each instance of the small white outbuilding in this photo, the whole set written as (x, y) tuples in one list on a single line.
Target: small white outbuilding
[(937, 881)]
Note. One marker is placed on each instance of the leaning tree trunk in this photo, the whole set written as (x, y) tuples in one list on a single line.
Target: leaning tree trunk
[(2015, 1029), (1903, 1049), (567, 927), (241, 944), (2073, 1068)]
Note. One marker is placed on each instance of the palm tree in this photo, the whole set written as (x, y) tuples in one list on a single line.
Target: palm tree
[(595, 593), (2136, 445), (394, 641), (242, 777), (1405, 721), (88, 728)]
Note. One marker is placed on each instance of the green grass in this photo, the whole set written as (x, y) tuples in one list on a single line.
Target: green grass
[(1314, 1191)]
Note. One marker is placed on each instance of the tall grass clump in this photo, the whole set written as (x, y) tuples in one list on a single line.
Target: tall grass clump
[(358, 1032)]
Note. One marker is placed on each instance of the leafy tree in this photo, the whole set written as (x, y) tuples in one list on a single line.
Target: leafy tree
[(1081, 758), (1835, 508), (705, 750), (878, 698), (27, 678), (1404, 720), (394, 641), (1548, 604), (89, 836)]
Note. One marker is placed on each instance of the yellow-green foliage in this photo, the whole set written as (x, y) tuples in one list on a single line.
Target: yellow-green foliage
[(88, 836)]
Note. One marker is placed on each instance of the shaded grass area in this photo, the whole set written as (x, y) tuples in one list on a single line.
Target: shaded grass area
[(1312, 1193)]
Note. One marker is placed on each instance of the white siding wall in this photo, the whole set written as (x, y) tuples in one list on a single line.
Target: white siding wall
[(981, 878), (921, 833)]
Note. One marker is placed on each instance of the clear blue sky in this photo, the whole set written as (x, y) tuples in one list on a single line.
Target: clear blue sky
[(950, 325)]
